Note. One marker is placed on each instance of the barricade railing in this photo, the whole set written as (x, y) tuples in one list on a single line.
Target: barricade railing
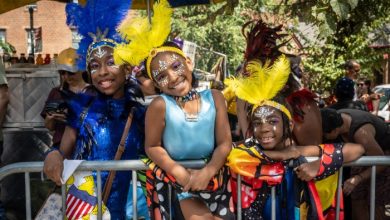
[(136, 165)]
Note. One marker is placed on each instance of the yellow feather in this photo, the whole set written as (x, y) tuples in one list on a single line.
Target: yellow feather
[(264, 81), (142, 36)]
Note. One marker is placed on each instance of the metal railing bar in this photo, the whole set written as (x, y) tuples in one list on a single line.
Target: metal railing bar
[(239, 207), (63, 195), (134, 185), (339, 189), (134, 165), (99, 193), (372, 193), (28, 195), (22, 167), (273, 203)]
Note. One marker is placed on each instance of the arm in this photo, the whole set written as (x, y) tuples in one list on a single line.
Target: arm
[(154, 127), (201, 178), (242, 116), (53, 164), (4, 99), (318, 168), (365, 136)]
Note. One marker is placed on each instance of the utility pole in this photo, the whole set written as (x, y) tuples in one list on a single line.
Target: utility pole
[(31, 11)]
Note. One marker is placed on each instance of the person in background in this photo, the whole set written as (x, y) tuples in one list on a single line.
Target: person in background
[(4, 100), (72, 82), (368, 96), (344, 92), (373, 133), (352, 70)]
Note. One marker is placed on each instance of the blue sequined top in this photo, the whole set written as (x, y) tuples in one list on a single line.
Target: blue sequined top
[(185, 140), (98, 137)]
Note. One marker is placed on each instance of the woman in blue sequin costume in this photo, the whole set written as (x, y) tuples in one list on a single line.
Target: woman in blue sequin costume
[(96, 134)]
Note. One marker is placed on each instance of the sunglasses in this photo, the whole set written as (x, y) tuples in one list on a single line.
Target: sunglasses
[(63, 72)]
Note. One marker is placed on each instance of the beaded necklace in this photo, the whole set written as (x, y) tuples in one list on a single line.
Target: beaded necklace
[(191, 95)]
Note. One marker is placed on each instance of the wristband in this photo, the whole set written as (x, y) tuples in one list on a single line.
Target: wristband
[(54, 149)]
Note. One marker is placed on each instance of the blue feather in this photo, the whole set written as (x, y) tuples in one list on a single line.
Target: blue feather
[(96, 15)]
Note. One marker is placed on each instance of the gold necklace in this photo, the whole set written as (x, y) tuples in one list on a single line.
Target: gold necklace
[(190, 117)]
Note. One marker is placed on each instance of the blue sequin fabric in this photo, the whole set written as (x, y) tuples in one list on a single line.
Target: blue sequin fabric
[(98, 137)]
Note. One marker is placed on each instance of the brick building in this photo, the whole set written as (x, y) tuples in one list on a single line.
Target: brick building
[(49, 18)]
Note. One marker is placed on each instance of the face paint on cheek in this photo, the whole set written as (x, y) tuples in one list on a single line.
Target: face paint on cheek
[(263, 113), (180, 70), (93, 71), (155, 73), (163, 82)]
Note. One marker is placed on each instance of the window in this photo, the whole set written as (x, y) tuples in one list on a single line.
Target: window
[(37, 35), (3, 35)]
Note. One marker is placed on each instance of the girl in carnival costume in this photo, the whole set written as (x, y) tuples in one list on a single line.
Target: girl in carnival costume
[(263, 159), (95, 124), (181, 124), (307, 130)]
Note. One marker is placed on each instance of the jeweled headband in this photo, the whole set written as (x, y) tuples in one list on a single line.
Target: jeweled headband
[(97, 46)]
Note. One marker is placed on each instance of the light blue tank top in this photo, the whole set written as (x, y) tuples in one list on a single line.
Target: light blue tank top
[(185, 140)]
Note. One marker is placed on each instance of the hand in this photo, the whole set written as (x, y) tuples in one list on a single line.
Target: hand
[(199, 179), (351, 183), (291, 152), (308, 171), (53, 166), (181, 175), (56, 116)]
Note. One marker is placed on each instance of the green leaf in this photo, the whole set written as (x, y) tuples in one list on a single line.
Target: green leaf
[(340, 8), (352, 3)]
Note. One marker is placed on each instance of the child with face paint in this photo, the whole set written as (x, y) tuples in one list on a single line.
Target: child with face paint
[(181, 124), (96, 124), (263, 160)]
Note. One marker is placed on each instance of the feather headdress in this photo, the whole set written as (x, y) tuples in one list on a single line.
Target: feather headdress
[(146, 39), (261, 37), (96, 22), (263, 83)]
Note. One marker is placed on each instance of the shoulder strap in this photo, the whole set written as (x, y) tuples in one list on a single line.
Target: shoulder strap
[(118, 155)]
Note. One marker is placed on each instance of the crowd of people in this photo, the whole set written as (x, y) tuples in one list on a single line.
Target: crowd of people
[(129, 93)]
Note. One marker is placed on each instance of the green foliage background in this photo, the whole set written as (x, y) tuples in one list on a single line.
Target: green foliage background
[(345, 29)]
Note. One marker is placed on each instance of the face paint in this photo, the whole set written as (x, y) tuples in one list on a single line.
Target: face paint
[(263, 113), (163, 82), (163, 65)]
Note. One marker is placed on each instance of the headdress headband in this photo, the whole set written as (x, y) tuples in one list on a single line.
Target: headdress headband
[(262, 84), (146, 39), (96, 22), (154, 53)]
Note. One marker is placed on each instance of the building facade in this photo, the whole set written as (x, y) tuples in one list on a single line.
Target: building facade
[(51, 33)]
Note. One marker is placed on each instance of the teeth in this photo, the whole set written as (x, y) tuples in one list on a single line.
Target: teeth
[(106, 83)]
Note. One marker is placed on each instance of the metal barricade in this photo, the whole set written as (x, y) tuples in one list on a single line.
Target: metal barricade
[(135, 165)]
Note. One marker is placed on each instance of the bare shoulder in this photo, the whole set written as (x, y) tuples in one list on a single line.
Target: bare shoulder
[(156, 106)]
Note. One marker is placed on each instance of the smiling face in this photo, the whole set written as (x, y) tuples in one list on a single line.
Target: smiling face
[(107, 77), (172, 73), (268, 127)]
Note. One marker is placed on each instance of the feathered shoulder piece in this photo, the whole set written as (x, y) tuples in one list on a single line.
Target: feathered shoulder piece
[(258, 36), (96, 22), (263, 82), (144, 36)]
